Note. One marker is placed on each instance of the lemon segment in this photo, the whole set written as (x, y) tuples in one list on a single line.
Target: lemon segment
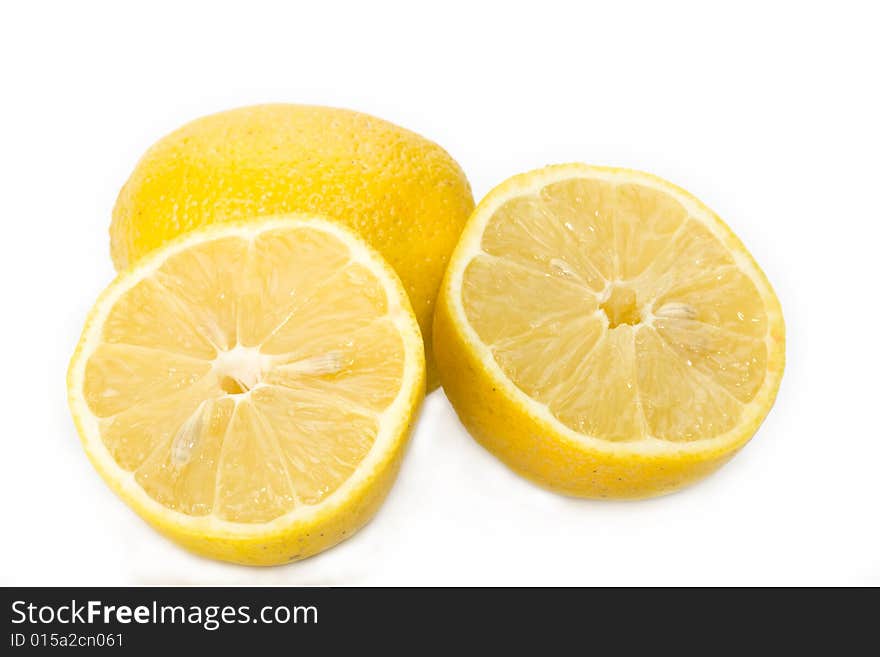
[(605, 334), (249, 388)]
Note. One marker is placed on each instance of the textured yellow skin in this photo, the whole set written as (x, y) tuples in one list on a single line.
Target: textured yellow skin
[(276, 543), (486, 403), (402, 193)]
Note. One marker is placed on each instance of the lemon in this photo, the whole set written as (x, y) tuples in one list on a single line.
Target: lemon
[(605, 334), (248, 389), (402, 193)]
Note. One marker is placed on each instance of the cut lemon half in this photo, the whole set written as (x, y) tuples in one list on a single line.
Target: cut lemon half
[(249, 388), (605, 334)]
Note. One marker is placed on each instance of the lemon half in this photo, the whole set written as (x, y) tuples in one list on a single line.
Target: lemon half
[(248, 389), (605, 334)]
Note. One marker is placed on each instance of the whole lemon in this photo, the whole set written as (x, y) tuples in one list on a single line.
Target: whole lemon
[(401, 192)]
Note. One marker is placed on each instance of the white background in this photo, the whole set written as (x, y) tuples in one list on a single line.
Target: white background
[(768, 112)]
